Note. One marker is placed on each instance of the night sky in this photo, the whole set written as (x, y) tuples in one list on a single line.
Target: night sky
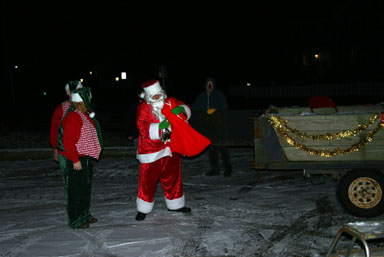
[(266, 43)]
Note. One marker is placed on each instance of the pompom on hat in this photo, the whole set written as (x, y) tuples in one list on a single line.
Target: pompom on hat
[(151, 87), (72, 85), (83, 95)]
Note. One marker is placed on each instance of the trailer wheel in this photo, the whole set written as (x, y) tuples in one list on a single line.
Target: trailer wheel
[(361, 192)]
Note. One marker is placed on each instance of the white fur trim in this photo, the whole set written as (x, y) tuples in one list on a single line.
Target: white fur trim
[(187, 111), (152, 157), (143, 206), (154, 132), (175, 203), (76, 98), (79, 85), (153, 89), (92, 115)]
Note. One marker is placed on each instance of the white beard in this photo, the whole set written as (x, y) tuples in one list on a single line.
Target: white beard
[(157, 107)]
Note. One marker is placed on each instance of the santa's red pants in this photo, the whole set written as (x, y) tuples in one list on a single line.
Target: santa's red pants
[(167, 170)]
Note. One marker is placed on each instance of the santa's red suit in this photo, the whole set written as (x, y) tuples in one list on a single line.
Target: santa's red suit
[(58, 115), (157, 161)]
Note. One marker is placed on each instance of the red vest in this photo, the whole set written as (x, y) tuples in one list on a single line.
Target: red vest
[(88, 143)]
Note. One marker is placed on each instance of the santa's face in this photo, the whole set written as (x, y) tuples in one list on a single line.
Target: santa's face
[(156, 97), (157, 103)]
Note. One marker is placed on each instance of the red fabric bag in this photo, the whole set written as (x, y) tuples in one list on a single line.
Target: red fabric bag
[(185, 140)]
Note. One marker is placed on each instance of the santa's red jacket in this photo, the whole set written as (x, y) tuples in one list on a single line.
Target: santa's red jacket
[(151, 148)]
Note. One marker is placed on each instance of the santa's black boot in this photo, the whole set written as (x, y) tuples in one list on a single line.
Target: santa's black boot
[(183, 209), (140, 216)]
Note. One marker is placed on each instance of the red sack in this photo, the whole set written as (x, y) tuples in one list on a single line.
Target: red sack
[(185, 140)]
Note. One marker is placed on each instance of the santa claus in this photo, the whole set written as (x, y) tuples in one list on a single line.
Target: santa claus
[(158, 162)]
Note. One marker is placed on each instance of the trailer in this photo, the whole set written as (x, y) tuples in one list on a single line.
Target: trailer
[(346, 142)]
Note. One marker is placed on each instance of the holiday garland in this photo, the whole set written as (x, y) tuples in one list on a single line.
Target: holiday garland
[(282, 128)]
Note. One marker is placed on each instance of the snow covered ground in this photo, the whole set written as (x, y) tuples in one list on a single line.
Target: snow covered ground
[(249, 214)]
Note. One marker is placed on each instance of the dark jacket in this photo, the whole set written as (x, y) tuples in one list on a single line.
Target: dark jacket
[(216, 99), (212, 125)]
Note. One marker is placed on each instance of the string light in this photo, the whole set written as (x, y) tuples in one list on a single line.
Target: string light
[(280, 126), (283, 124)]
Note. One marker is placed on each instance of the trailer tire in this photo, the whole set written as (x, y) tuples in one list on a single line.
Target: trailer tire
[(360, 192)]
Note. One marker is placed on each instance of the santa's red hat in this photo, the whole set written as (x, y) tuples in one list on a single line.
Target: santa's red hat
[(151, 87)]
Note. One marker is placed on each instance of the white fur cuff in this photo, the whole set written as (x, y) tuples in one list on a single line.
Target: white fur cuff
[(143, 206), (175, 203), (154, 132)]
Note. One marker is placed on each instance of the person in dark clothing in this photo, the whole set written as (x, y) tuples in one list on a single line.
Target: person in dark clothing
[(210, 98), (212, 102)]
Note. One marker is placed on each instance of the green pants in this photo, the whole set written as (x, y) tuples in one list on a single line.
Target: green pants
[(77, 187)]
